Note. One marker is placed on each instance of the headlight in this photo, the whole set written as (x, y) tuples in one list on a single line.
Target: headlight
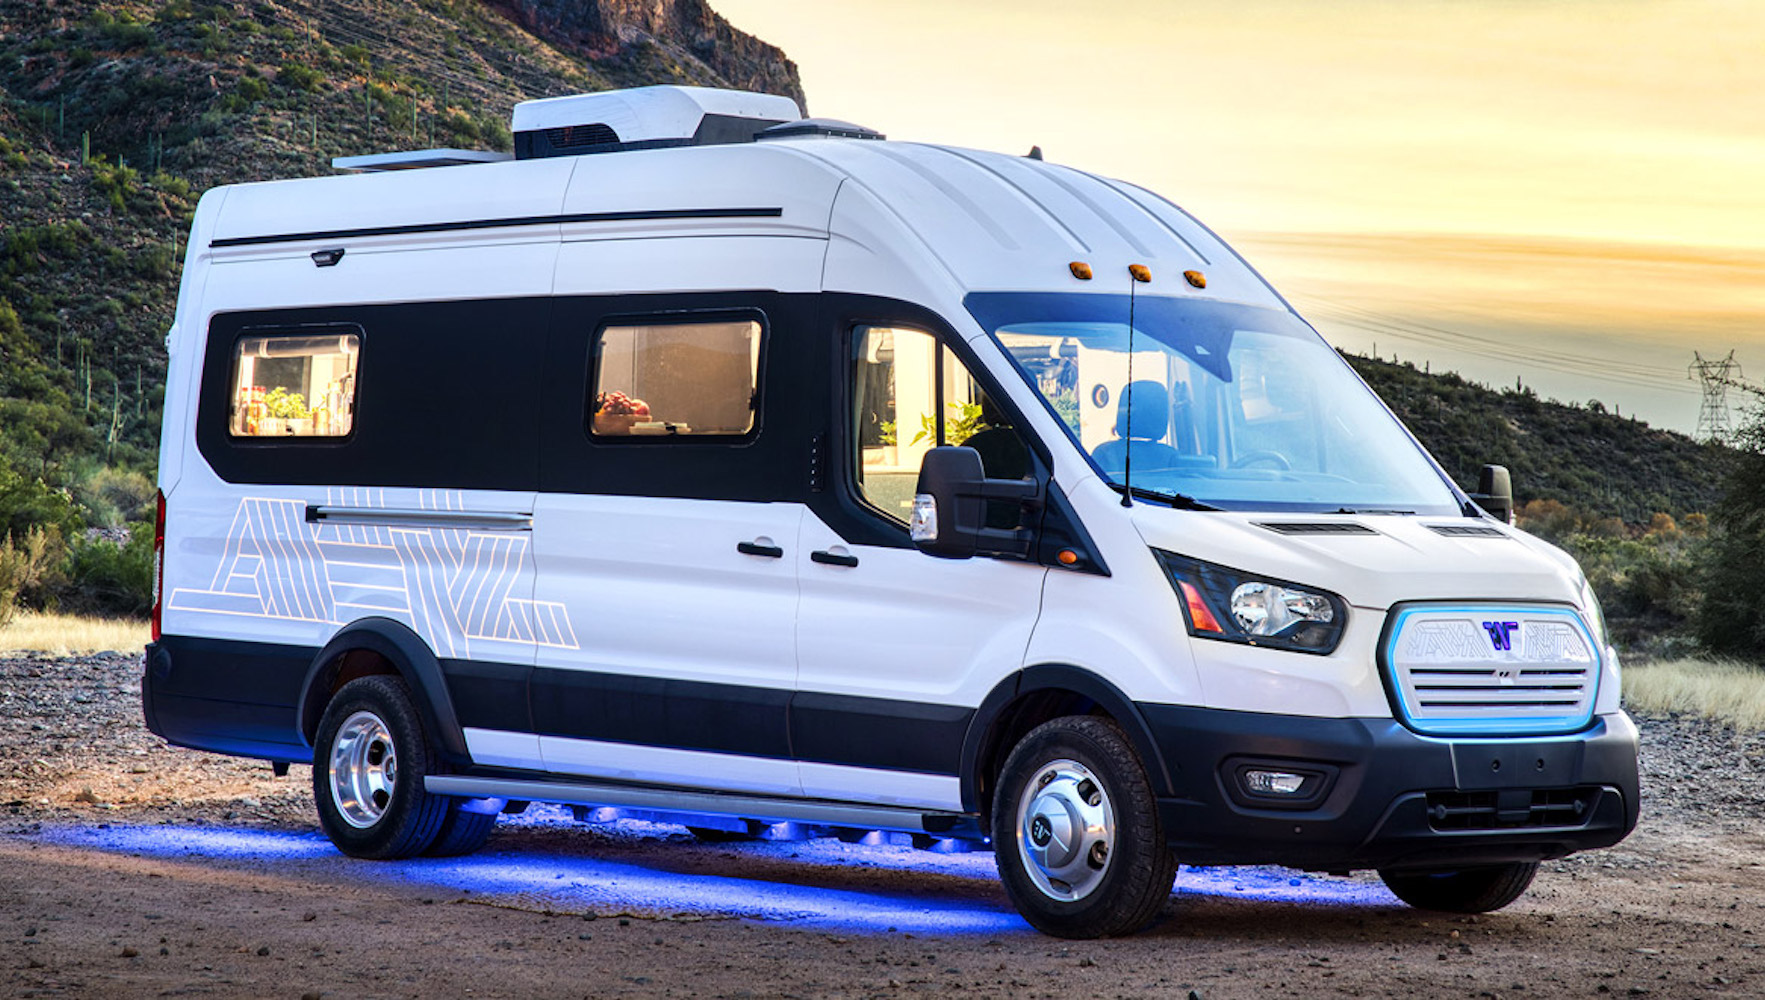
[(1234, 606)]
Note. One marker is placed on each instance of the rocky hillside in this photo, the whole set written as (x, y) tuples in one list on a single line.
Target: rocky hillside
[(1583, 456), (116, 114)]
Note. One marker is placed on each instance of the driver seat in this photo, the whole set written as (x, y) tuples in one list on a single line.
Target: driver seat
[(1139, 431)]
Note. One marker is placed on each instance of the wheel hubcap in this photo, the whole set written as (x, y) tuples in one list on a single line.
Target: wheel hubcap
[(364, 769), (1065, 830)]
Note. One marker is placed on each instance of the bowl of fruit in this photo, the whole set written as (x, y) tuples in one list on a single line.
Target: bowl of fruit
[(616, 413)]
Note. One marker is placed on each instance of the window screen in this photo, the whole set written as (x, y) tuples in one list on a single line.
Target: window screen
[(677, 379), (295, 385)]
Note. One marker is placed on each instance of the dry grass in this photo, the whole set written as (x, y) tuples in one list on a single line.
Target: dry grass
[(1728, 692), (68, 634)]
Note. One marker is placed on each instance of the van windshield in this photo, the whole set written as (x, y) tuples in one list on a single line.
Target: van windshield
[(1235, 406)]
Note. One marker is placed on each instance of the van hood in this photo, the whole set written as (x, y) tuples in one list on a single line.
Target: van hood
[(1373, 561)]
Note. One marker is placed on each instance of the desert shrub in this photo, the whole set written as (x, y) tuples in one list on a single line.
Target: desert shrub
[(26, 565), (106, 577), (251, 89), (300, 77)]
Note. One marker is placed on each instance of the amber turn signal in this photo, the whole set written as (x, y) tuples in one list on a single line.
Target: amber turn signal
[(1067, 557), (1141, 272), (1080, 270), (1196, 278)]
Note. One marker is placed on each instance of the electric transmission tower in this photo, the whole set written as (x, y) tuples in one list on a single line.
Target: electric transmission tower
[(1716, 377)]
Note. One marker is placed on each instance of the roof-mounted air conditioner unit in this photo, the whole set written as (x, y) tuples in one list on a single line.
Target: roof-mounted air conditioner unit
[(644, 118)]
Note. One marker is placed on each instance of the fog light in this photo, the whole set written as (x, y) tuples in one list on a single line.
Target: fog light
[(1259, 782), (923, 526)]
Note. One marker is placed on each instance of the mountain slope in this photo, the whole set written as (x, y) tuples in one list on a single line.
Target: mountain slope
[(116, 114), (1582, 456)]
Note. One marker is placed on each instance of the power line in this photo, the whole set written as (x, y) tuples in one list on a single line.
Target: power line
[(1716, 377)]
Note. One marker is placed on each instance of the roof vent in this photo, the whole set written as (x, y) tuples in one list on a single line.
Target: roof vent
[(825, 128), (644, 118)]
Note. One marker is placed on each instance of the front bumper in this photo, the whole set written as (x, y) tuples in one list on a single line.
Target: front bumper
[(1386, 797)]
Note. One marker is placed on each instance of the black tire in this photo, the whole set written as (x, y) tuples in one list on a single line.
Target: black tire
[(1121, 892), (461, 832), (1461, 890), (395, 817)]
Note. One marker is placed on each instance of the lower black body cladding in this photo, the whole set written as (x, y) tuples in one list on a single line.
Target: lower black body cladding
[(1391, 798)]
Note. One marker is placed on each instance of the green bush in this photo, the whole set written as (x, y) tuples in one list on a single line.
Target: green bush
[(251, 89), (111, 578), (300, 77)]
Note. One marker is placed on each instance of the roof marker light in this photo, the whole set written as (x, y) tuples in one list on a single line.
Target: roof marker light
[(1141, 272), (1196, 278), (1080, 270)]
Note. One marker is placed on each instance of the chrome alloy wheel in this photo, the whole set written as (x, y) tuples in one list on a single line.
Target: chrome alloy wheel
[(1065, 830), (364, 769)]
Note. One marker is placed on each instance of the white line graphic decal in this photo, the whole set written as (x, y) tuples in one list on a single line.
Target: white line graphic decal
[(450, 585)]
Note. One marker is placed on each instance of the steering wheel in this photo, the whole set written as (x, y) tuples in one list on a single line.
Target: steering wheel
[(1274, 458)]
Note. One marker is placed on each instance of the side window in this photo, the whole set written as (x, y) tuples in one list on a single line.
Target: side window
[(294, 385), (911, 394), (696, 379)]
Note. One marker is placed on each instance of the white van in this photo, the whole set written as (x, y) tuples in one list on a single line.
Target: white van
[(710, 462)]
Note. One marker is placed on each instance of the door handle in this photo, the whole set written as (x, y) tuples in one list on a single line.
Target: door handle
[(827, 558), (759, 549)]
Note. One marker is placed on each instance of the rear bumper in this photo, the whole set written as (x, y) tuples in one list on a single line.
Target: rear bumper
[(1380, 796)]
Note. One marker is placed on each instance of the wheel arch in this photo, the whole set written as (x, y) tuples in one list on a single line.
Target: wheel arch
[(371, 646), (1032, 696)]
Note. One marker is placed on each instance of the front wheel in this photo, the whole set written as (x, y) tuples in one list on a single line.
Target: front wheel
[(369, 761), (1076, 832), (1461, 890)]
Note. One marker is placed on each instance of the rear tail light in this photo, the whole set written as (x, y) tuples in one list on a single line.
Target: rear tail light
[(158, 560)]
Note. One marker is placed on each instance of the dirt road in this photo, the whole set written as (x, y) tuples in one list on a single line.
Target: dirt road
[(131, 869)]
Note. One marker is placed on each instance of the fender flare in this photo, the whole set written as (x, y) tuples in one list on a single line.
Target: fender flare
[(417, 666), (1058, 677)]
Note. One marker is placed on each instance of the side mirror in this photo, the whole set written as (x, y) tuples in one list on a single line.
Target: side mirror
[(1495, 493), (950, 507)]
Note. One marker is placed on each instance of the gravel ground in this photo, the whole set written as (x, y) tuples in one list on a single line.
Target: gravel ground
[(129, 868)]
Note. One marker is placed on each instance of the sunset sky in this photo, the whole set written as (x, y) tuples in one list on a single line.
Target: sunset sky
[(1568, 192)]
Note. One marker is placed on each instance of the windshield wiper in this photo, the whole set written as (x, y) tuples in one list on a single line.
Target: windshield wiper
[(1371, 510), (1178, 500)]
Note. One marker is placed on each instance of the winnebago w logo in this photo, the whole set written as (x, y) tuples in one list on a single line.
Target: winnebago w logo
[(1501, 634)]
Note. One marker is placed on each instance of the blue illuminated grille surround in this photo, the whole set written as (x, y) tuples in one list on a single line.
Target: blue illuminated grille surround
[(1490, 670)]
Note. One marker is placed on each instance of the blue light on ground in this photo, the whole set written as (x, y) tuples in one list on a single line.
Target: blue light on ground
[(544, 862)]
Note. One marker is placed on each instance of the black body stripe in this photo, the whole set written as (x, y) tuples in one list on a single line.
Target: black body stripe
[(525, 220)]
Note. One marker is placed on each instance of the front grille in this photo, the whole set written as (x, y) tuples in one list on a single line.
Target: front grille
[(1511, 809), (1492, 670)]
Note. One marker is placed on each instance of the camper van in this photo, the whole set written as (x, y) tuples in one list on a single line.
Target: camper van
[(705, 461)]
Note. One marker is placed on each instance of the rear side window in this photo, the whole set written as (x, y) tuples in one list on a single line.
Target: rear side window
[(676, 379), (295, 385)]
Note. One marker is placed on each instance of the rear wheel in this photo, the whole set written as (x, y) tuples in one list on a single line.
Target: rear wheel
[(369, 760), (1076, 832), (1461, 890)]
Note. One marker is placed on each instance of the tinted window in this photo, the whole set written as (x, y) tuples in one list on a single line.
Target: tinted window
[(678, 379)]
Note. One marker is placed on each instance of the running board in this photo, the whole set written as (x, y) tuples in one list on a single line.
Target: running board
[(707, 803)]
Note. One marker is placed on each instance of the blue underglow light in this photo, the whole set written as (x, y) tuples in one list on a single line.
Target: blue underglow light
[(543, 862)]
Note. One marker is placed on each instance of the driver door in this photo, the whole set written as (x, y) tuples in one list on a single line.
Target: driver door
[(895, 648)]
